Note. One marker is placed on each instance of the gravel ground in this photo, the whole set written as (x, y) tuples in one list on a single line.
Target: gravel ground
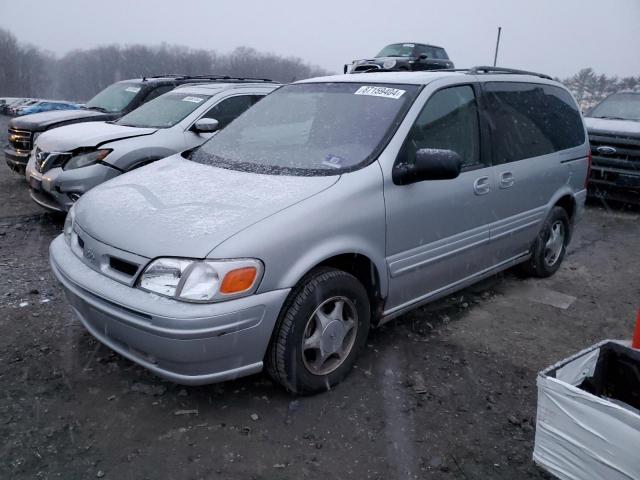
[(447, 391)]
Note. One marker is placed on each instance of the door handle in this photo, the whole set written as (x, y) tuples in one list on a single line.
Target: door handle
[(506, 179), (482, 186)]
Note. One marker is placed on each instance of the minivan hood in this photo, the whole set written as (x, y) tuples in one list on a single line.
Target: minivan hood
[(179, 208), (38, 122), (605, 125), (89, 134)]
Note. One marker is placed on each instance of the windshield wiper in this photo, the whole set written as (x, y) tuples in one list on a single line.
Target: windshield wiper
[(100, 109), (606, 117)]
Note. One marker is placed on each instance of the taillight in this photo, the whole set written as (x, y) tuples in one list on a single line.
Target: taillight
[(589, 160)]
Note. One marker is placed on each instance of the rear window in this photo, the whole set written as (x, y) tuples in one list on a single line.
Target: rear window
[(529, 120)]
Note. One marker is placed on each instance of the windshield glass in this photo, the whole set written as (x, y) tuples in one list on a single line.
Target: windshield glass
[(164, 111), (114, 98), (310, 129), (623, 106), (397, 50)]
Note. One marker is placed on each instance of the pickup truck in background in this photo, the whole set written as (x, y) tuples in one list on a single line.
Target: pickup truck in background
[(614, 134)]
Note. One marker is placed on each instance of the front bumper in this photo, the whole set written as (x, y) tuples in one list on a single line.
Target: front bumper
[(16, 159), (58, 189), (615, 184), (186, 343)]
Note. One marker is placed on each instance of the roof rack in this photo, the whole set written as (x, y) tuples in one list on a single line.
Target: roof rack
[(209, 77), (471, 71), (487, 69)]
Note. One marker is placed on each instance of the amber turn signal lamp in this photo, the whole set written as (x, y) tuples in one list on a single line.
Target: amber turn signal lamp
[(239, 280)]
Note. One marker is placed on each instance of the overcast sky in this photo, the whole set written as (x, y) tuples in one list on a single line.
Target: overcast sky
[(553, 36)]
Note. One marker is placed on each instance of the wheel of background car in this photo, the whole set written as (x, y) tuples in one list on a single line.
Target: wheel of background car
[(550, 245), (322, 327)]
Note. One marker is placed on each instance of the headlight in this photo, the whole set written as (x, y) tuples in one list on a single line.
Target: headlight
[(86, 158), (202, 280), (389, 64), (68, 224)]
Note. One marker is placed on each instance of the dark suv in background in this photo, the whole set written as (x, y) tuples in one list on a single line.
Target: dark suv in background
[(614, 133), (404, 56), (110, 104)]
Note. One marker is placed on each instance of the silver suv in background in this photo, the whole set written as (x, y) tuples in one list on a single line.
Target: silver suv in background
[(68, 161), (331, 206)]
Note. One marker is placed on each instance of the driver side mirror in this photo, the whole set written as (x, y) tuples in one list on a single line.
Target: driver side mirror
[(206, 125), (430, 164), (423, 56)]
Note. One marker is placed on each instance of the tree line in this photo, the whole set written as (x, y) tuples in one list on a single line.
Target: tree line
[(589, 88), (28, 71)]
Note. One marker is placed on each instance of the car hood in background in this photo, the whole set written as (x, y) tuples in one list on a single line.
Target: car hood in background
[(607, 126), (39, 122), (175, 207), (88, 134)]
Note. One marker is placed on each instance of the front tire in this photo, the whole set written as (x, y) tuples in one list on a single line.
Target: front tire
[(550, 246), (322, 327)]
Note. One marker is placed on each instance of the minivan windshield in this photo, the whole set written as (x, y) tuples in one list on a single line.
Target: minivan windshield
[(619, 106), (164, 111), (311, 129), (114, 98)]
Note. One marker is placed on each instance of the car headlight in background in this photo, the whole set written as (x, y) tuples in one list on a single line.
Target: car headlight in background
[(389, 64), (68, 224), (84, 159), (202, 280)]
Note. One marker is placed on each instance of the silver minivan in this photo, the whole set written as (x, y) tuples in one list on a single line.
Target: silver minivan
[(331, 206)]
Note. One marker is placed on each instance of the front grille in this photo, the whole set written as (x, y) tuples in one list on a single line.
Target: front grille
[(20, 139), (123, 266), (616, 152), (116, 264), (366, 67)]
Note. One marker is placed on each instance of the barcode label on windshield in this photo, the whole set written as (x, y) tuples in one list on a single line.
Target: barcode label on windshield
[(192, 99), (132, 89), (380, 92)]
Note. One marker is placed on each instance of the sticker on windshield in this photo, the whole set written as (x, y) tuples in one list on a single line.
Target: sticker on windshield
[(380, 92), (333, 161), (132, 89), (408, 44), (192, 99)]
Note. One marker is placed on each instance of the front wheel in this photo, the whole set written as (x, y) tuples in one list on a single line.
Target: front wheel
[(550, 245), (321, 329)]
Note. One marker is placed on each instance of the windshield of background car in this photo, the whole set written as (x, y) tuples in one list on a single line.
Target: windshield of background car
[(311, 129), (397, 50), (115, 97), (623, 106), (164, 111)]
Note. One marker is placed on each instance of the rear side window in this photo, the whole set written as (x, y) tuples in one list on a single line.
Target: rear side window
[(431, 52), (448, 121), (528, 120)]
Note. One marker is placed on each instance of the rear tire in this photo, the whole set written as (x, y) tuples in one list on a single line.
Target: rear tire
[(550, 246), (322, 327)]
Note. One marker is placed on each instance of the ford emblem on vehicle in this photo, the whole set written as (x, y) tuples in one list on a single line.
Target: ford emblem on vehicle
[(606, 150)]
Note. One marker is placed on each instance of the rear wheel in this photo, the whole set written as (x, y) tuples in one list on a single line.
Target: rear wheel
[(321, 329), (550, 245)]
